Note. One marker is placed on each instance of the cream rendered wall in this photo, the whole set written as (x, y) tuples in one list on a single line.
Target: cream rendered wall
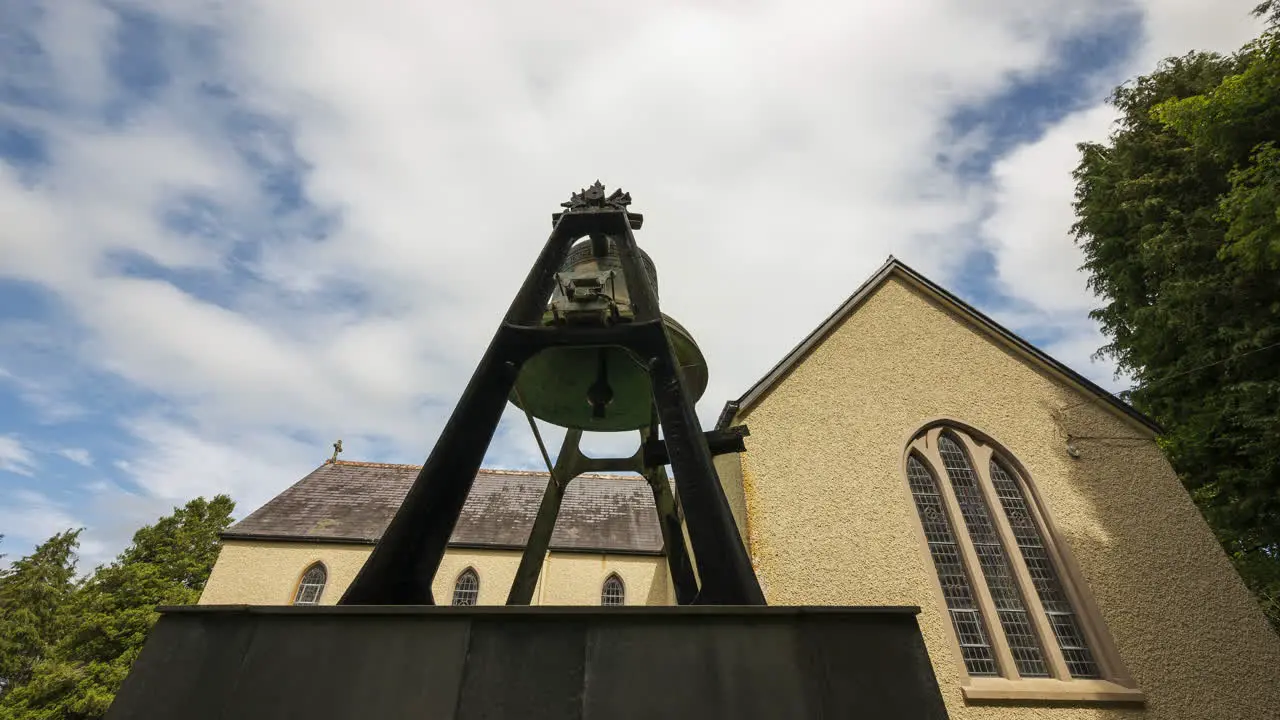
[(567, 578), (267, 573), (831, 520), (729, 469), (578, 578)]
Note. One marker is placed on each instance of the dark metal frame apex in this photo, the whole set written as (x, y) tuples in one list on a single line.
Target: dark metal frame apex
[(403, 564)]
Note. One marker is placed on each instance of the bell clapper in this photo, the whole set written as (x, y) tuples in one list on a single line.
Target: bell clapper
[(572, 386), (600, 394), (599, 245)]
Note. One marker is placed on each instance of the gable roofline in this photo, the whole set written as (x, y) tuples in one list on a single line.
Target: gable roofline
[(893, 267)]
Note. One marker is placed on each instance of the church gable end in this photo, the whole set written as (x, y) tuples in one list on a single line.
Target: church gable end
[(896, 275), (832, 517)]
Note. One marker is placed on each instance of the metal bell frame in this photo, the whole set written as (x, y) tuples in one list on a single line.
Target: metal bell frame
[(403, 564)]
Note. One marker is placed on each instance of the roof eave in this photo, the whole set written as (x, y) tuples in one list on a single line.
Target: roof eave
[(727, 414), (277, 537), (770, 380), (337, 540)]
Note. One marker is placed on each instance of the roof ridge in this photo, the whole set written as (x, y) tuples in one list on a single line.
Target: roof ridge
[(544, 473), (366, 463), (489, 471)]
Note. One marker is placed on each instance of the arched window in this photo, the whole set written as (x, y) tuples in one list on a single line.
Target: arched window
[(311, 586), (467, 588), (1013, 607), (613, 593)]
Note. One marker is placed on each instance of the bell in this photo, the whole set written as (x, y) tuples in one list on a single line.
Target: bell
[(599, 388)]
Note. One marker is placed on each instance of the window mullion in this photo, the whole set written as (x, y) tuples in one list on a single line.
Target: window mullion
[(981, 591), (1087, 614), (1040, 620)]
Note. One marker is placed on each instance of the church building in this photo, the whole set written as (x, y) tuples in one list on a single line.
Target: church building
[(909, 452)]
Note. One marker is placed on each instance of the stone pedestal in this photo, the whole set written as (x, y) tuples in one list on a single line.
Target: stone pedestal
[(531, 663)]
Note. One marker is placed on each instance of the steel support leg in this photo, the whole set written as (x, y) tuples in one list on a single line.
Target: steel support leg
[(724, 569), (683, 579), (535, 549), (570, 463), (402, 565)]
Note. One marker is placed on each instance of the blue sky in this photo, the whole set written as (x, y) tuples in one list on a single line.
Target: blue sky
[(236, 231)]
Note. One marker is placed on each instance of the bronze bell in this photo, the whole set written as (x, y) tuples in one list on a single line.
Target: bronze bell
[(599, 388)]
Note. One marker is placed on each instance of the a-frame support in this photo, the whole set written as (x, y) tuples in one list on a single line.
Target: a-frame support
[(402, 566), (571, 463)]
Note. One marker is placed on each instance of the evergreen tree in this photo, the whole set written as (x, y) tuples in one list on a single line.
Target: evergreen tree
[(1179, 218), (34, 594), (167, 564), (1269, 9)]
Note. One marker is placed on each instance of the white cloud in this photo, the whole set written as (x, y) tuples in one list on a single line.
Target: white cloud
[(444, 140), (779, 152), (29, 518), (178, 463), (1029, 231), (1036, 261), (15, 457), (79, 456), (33, 515), (1175, 27), (44, 396)]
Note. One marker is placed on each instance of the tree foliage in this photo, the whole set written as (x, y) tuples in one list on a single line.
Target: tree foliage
[(1179, 219), (1269, 9), (104, 623), (34, 594)]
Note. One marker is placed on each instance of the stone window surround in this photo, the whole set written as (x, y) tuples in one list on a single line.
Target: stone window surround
[(1115, 685), (297, 585), (471, 593), (605, 595)]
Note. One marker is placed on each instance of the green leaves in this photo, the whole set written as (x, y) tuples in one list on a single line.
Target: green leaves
[(1179, 220), (1235, 125), (74, 642), (34, 595), (1251, 212)]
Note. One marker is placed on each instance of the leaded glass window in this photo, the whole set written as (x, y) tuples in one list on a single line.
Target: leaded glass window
[(467, 588), (1001, 580), (1048, 585), (993, 560), (612, 593), (956, 590), (311, 586)]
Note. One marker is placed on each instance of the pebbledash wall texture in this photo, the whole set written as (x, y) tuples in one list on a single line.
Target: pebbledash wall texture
[(255, 572), (830, 518), (822, 500)]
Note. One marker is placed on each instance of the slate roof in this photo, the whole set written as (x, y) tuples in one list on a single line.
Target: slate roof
[(346, 501)]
